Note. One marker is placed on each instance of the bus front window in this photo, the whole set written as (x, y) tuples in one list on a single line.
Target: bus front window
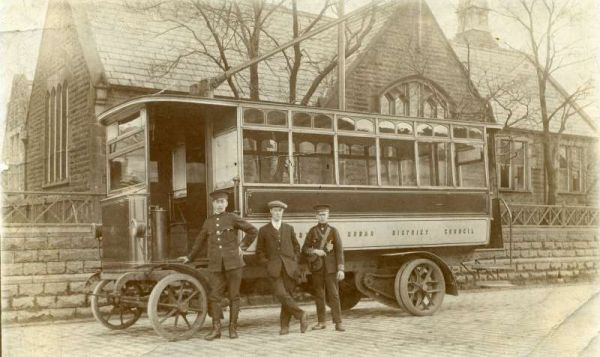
[(126, 152), (127, 169)]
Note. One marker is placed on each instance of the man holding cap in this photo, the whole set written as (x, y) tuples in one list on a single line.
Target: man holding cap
[(278, 248), (225, 259), (325, 253)]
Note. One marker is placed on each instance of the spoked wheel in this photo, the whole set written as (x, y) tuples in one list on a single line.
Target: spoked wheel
[(420, 287), (117, 311), (177, 306)]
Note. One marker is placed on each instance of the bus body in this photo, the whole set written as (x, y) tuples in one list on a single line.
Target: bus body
[(409, 196)]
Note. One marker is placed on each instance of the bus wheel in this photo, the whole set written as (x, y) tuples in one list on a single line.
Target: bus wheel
[(177, 306), (349, 294), (114, 310), (420, 287)]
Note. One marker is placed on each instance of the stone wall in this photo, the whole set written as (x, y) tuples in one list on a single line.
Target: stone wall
[(44, 269), (539, 255)]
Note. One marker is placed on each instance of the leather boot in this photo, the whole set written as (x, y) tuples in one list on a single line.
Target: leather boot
[(303, 322), (319, 326), (284, 321), (216, 331), (233, 317)]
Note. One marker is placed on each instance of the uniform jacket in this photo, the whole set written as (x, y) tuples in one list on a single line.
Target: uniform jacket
[(221, 232), (277, 248), (334, 260)]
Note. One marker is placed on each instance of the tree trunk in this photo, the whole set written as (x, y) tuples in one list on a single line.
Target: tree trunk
[(550, 169)]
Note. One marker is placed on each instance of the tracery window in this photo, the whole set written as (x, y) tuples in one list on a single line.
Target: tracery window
[(414, 98)]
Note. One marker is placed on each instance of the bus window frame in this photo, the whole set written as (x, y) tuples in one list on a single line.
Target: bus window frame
[(142, 113), (376, 135)]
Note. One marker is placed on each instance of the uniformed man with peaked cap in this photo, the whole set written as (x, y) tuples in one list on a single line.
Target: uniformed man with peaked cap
[(225, 259), (325, 254), (278, 248)]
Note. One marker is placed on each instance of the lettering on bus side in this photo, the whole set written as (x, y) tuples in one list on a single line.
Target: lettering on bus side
[(410, 232), (459, 231)]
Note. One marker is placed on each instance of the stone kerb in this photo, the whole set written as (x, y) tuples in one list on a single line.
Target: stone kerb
[(44, 269)]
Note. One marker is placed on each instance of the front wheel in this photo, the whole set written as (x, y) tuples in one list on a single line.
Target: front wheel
[(177, 306), (420, 287), (116, 310)]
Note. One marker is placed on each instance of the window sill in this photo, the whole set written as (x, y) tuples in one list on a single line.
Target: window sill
[(572, 193), (64, 182), (508, 190)]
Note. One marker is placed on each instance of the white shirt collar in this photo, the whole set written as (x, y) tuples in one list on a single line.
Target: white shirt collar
[(277, 225)]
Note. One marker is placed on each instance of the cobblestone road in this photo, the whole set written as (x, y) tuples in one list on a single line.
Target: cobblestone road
[(559, 320)]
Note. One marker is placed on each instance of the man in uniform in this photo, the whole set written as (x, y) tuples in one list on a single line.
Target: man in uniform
[(278, 248), (325, 254), (225, 260)]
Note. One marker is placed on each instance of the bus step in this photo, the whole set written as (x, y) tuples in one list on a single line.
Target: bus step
[(495, 284)]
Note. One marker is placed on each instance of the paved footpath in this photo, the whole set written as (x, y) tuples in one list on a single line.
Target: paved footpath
[(560, 320)]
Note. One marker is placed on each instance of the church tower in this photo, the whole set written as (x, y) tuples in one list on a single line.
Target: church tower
[(473, 27)]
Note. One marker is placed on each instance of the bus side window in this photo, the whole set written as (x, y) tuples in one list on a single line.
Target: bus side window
[(179, 171), (266, 157)]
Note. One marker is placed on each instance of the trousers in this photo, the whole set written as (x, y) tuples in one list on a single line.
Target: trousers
[(283, 288), (326, 285), (219, 281)]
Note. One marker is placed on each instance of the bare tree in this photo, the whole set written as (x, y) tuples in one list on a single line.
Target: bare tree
[(542, 21), (225, 31)]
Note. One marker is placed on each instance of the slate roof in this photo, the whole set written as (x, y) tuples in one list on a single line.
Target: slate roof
[(492, 68), (133, 46)]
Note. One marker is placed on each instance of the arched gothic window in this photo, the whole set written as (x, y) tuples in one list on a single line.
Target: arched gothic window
[(414, 98)]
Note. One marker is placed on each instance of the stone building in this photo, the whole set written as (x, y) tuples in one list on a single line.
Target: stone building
[(515, 101), (15, 135)]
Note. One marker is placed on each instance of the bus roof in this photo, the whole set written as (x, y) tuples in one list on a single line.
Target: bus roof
[(137, 103)]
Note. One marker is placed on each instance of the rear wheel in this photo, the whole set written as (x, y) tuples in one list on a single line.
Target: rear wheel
[(420, 287), (117, 311), (177, 306)]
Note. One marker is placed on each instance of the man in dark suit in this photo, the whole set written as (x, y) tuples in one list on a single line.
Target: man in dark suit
[(278, 248), (225, 260), (325, 254)]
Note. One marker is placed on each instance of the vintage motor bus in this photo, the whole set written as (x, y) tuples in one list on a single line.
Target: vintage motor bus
[(410, 197)]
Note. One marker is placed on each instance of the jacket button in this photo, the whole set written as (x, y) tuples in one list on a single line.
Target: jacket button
[(217, 224), (220, 247)]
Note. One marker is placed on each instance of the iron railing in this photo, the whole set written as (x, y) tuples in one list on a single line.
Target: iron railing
[(556, 216), (36, 207)]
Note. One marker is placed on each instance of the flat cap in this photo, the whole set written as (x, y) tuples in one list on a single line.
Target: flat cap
[(322, 207), (222, 193), (274, 204)]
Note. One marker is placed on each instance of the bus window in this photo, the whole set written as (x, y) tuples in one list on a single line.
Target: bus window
[(265, 157), (313, 159), (276, 117), (398, 163), (302, 120), (127, 169), (358, 165), (386, 127), (469, 165), (322, 121), (434, 166)]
